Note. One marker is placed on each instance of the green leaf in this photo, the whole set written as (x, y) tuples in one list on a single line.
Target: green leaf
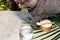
[(24, 10)]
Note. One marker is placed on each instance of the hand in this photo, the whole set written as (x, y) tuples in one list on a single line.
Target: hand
[(20, 5)]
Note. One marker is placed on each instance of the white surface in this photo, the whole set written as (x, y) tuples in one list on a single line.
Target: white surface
[(10, 24)]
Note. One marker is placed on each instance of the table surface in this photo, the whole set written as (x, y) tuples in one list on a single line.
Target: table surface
[(10, 22), (53, 34)]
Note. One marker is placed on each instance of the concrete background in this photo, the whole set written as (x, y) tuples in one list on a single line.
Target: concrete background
[(10, 23)]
